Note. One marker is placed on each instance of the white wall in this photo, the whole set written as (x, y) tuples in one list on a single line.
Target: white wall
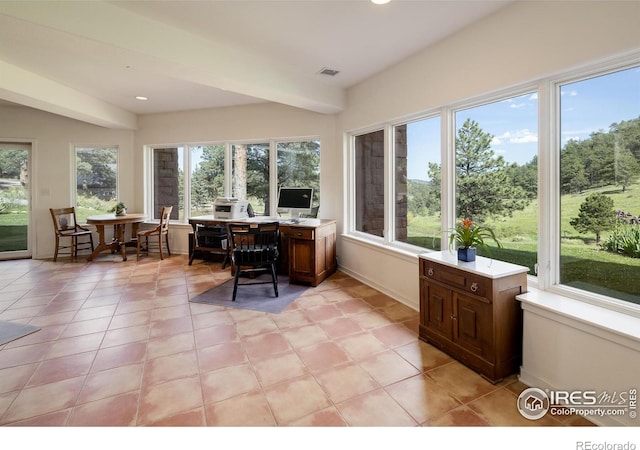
[(52, 164)]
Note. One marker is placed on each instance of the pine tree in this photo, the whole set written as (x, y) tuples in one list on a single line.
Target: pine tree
[(596, 215)]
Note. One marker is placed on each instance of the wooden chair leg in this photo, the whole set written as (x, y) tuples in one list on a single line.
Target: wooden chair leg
[(274, 277), (166, 238), (138, 247), (160, 246), (55, 253), (235, 283)]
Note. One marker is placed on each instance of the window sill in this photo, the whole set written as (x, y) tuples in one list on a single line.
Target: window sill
[(612, 325), (389, 249)]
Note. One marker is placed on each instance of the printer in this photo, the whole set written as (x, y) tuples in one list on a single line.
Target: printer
[(230, 208)]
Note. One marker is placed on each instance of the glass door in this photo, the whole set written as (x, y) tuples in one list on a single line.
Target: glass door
[(15, 208)]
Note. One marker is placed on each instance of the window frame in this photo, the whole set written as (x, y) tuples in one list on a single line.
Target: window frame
[(74, 167), (552, 282), (391, 224), (549, 146), (228, 168)]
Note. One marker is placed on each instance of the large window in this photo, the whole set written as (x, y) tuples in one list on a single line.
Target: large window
[(242, 170), (207, 177), (299, 166), (96, 176), (600, 184), (496, 174), (567, 198), (251, 168), (417, 183)]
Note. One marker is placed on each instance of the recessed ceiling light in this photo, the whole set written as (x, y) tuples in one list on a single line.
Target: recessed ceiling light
[(141, 97), (380, 2)]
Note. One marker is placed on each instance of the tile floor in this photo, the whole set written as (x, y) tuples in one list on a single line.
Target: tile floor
[(121, 345)]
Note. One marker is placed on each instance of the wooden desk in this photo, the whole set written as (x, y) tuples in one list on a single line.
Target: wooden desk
[(118, 242), (307, 249)]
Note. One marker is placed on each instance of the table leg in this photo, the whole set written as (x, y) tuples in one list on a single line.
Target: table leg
[(120, 243), (102, 245)]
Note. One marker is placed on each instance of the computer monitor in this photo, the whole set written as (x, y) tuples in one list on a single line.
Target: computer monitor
[(295, 200)]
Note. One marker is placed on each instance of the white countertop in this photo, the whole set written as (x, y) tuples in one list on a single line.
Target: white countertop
[(486, 267)]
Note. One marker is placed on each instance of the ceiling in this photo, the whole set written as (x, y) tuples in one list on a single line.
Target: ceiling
[(90, 59)]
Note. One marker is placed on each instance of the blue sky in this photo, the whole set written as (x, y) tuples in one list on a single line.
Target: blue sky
[(586, 106)]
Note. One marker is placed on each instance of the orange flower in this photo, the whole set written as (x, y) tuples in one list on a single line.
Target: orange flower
[(467, 234)]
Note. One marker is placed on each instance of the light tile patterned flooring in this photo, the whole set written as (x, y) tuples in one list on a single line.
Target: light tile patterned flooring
[(121, 345)]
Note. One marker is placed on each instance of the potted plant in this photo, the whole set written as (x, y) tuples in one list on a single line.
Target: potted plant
[(120, 209), (468, 236)]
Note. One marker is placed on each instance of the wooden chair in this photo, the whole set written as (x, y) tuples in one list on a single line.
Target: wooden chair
[(66, 227), (254, 250), (161, 231)]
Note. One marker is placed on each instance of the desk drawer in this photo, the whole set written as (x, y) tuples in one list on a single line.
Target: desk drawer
[(455, 278), (301, 233)]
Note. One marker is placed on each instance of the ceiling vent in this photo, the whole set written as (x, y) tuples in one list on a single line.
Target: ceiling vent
[(330, 72)]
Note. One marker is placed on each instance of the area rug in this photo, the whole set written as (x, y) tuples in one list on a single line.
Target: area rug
[(257, 297), (10, 331)]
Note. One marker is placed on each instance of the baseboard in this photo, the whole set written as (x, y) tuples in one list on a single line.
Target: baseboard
[(379, 287)]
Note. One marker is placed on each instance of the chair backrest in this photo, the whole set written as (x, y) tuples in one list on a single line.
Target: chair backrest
[(64, 219), (247, 238), (164, 218)]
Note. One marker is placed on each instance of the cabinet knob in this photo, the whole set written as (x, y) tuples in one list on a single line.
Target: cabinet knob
[(453, 317), (430, 271), (474, 287)]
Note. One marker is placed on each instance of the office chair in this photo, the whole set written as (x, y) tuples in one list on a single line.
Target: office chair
[(66, 227), (254, 250)]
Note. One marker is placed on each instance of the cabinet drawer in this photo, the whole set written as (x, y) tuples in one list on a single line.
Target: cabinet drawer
[(456, 278), (301, 233)]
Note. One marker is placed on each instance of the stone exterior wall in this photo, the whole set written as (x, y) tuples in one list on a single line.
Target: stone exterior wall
[(369, 149), (370, 183), (166, 189)]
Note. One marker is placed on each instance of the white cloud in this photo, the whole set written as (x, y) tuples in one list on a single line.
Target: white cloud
[(571, 93), (523, 136)]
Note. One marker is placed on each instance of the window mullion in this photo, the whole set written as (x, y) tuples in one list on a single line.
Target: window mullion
[(548, 186), (389, 189), (448, 171)]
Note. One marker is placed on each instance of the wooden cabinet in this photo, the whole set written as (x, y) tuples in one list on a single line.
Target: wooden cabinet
[(312, 252), (469, 310)]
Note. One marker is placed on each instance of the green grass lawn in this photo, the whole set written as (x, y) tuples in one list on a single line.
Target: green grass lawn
[(583, 264), (13, 238), (13, 232)]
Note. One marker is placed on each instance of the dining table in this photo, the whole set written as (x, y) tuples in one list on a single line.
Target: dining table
[(118, 242)]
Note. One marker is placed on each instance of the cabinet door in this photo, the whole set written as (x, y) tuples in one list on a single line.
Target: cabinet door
[(437, 309), (473, 326), (301, 257)]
